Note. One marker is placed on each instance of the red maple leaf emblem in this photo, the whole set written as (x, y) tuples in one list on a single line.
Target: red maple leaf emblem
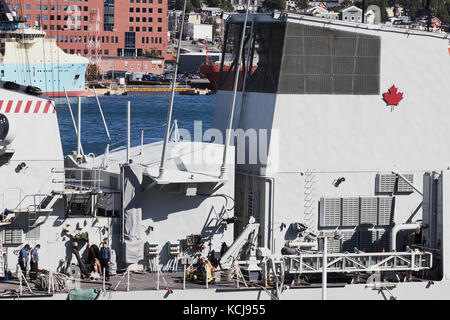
[(392, 97)]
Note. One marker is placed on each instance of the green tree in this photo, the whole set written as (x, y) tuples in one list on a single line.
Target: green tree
[(411, 7), (93, 72), (215, 26), (346, 4), (380, 3), (302, 4), (213, 3), (271, 5), (441, 9), (226, 6), (190, 4)]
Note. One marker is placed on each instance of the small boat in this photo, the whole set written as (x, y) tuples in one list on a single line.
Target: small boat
[(195, 92), (116, 93)]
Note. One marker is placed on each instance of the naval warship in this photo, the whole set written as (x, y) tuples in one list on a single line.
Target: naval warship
[(325, 176)]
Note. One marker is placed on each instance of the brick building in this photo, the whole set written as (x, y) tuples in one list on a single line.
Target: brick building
[(100, 28)]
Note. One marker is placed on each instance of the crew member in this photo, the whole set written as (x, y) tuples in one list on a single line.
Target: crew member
[(34, 262), (92, 257), (23, 258), (105, 257)]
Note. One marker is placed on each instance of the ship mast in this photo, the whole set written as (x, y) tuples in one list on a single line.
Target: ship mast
[(172, 97), (223, 169)]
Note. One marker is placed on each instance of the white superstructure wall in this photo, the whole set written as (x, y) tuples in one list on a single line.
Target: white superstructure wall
[(316, 139)]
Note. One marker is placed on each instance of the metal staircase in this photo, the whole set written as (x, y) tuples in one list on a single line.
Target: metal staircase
[(79, 203), (34, 205)]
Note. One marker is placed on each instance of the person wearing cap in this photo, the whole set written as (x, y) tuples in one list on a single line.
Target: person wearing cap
[(23, 258), (34, 262), (105, 257)]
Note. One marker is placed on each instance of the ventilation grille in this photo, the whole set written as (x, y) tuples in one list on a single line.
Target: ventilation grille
[(13, 236), (385, 206), (33, 234), (385, 183), (350, 211), (368, 241), (369, 210), (364, 240), (390, 183), (332, 244), (330, 209), (355, 211), (349, 241), (402, 186)]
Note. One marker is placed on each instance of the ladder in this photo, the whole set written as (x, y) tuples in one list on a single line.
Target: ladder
[(308, 197)]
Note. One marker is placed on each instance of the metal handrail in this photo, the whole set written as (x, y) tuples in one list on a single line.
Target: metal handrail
[(95, 182), (19, 206), (16, 189)]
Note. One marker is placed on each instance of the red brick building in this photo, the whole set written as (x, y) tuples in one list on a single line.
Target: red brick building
[(97, 28)]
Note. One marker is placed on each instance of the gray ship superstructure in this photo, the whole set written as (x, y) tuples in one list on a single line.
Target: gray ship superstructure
[(350, 123)]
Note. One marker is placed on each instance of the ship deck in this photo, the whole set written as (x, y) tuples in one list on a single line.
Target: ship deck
[(138, 282)]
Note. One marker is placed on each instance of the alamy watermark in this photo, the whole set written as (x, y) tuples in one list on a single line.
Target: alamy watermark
[(252, 146)]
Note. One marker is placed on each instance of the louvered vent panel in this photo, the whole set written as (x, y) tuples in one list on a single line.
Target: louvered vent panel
[(369, 210), (385, 211), (13, 236), (383, 240), (332, 244), (349, 241), (330, 212), (34, 233), (350, 211), (402, 186), (385, 183), (368, 241)]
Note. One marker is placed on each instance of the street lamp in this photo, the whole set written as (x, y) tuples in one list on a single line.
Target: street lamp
[(336, 236)]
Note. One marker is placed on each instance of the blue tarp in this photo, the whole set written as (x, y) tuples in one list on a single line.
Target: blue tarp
[(83, 294)]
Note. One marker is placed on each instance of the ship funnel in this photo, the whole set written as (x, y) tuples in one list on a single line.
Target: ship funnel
[(7, 132)]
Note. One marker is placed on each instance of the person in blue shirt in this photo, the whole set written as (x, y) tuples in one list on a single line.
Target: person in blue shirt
[(23, 258), (105, 257), (34, 262)]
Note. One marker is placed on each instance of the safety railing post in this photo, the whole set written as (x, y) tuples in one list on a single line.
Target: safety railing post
[(206, 275), (128, 280), (184, 277), (104, 280), (20, 283)]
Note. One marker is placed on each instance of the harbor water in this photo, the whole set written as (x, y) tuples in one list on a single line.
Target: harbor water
[(148, 113)]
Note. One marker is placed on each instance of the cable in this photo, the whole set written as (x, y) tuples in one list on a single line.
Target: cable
[(220, 195)]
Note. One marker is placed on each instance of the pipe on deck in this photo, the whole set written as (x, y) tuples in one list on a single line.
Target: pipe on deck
[(401, 227)]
